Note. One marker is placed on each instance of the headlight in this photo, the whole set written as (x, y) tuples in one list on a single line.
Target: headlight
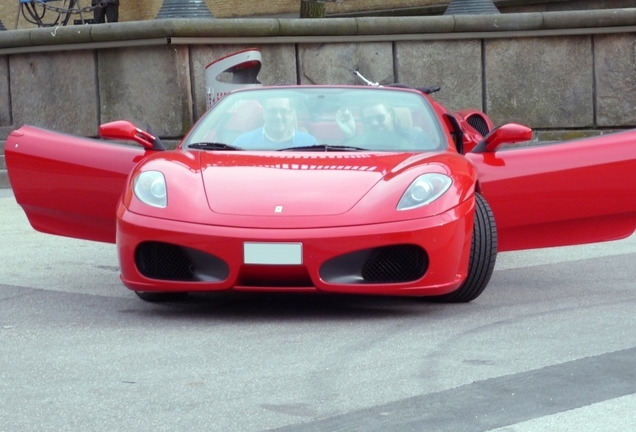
[(424, 190), (150, 188)]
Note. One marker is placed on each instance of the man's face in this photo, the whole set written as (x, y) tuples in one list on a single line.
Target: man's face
[(278, 116), (377, 117)]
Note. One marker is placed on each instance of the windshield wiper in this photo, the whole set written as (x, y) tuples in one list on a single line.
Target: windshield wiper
[(213, 146), (325, 147)]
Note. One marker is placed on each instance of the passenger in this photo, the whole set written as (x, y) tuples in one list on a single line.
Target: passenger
[(380, 129), (279, 130)]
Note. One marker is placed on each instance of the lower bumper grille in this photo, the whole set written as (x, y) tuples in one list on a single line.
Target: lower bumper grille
[(391, 264), (387, 264), (165, 261)]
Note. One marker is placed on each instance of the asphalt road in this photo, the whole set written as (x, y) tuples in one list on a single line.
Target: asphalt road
[(549, 346)]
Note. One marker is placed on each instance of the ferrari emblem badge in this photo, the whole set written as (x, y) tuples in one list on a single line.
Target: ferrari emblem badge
[(278, 209)]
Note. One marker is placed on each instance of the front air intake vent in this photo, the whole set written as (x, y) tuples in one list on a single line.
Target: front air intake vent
[(385, 264), (392, 264), (165, 261)]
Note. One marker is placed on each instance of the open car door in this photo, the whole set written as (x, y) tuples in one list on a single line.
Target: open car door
[(574, 192), (68, 185)]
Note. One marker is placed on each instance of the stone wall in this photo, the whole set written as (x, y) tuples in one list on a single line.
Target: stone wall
[(551, 71)]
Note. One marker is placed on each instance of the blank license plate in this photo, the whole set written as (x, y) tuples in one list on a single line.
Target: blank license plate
[(273, 253)]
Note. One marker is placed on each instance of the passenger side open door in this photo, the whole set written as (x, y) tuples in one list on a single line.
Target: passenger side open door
[(574, 192)]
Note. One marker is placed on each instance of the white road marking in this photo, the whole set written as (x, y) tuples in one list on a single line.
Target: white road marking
[(612, 415)]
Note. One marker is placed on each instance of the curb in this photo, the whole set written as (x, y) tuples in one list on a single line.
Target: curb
[(4, 133), (4, 176), (4, 180)]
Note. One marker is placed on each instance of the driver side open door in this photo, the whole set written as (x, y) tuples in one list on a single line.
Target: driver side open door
[(69, 185), (568, 193)]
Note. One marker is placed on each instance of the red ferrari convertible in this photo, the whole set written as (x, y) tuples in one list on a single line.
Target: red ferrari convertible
[(338, 189)]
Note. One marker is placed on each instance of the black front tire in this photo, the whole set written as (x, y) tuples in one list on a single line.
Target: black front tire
[(483, 254), (161, 297)]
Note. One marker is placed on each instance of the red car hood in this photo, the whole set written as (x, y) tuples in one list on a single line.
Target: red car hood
[(292, 184)]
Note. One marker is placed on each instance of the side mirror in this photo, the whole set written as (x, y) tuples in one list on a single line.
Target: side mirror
[(126, 131), (509, 133)]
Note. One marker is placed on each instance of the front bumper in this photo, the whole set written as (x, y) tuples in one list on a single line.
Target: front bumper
[(445, 238)]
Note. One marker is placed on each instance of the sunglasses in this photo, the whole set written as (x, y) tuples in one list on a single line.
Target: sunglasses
[(273, 112), (373, 119)]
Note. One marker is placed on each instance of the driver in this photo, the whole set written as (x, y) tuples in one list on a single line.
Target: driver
[(279, 129)]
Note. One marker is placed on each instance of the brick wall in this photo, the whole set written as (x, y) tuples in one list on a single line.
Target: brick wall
[(137, 10), (8, 11)]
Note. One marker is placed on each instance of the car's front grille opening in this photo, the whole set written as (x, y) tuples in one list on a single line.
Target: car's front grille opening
[(391, 264), (387, 264), (165, 261), (479, 123)]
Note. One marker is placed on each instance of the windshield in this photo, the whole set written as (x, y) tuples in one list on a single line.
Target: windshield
[(320, 119)]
